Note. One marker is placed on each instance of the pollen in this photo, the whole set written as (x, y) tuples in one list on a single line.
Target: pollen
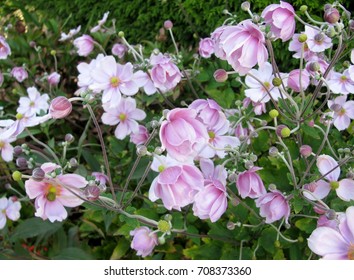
[(115, 82), (211, 135), (2, 144), (122, 117), (31, 104), (267, 85), (343, 78)]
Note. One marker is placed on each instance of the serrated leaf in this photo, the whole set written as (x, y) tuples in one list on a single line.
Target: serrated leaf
[(307, 225)]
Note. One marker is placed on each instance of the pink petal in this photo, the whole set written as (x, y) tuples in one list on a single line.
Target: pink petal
[(69, 199), (325, 164), (34, 189), (345, 191), (55, 211), (73, 180)]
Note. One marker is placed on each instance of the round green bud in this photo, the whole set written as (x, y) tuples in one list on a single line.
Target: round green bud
[(285, 132), (168, 217), (164, 226), (303, 8), (161, 240), (121, 34), (17, 176), (302, 38), (53, 52), (277, 244), (273, 113), (276, 82), (300, 239)]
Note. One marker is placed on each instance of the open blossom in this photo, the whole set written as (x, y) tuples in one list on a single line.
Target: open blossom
[(296, 46), (125, 115), (335, 243), (341, 82), (144, 241), (9, 209), (119, 50), (140, 136), (164, 73), (281, 19), (19, 73), (316, 190), (211, 201), (259, 92), (317, 41), (71, 34), (176, 185), (6, 149), (343, 111), (273, 206), (244, 46), (114, 79), (250, 184), (330, 169), (34, 103), (85, 78), (100, 23), (84, 45), (52, 194), (206, 47), (143, 80), (294, 80), (182, 134), (5, 50)]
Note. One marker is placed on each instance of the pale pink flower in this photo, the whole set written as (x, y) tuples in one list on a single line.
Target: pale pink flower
[(164, 73), (215, 36), (144, 80), (281, 19), (321, 62), (244, 46), (101, 177), (316, 190), (100, 23), (140, 136), (211, 201), (60, 107), (9, 209), (330, 169), (53, 78), (296, 46), (259, 107), (294, 80), (323, 221), (176, 186), (351, 70), (343, 111), (5, 50), (273, 206), (182, 134), (52, 194), (19, 73), (335, 244), (84, 45), (85, 78), (114, 79), (250, 184), (206, 47), (125, 115), (144, 241), (71, 34), (119, 50), (341, 82), (317, 41), (241, 132), (34, 103), (6, 137), (259, 92)]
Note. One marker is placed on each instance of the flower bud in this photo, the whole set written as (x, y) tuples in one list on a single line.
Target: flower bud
[(60, 107), (331, 214), (230, 225), (331, 32), (245, 6), (232, 177), (121, 34), (17, 176), (249, 164), (38, 174), (32, 44), (283, 131), (69, 138), (154, 124), (53, 52), (141, 150), (311, 123), (253, 157), (73, 162), (161, 240), (276, 82), (158, 150), (168, 24), (331, 15), (168, 217), (351, 25), (92, 192), (327, 6), (273, 151), (305, 150), (21, 162), (17, 151), (273, 113), (220, 75), (302, 38), (272, 187), (303, 8), (314, 66)]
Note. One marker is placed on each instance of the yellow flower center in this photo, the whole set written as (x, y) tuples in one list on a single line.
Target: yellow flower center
[(334, 185), (52, 192), (343, 78), (267, 85), (2, 144), (115, 81), (211, 135), (161, 168), (351, 252), (122, 117), (31, 104)]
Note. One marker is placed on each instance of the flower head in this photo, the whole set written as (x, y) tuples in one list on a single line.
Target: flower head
[(84, 45), (250, 184), (343, 111), (9, 209), (206, 47), (5, 50), (34, 103), (144, 241), (19, 73)]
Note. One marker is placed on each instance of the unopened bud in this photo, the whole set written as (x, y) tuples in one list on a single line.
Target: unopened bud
[(273, 113), (331, 214), (302, 38), (276, 82), (32, 44), (232, 177), (283, 131), (168, 24), (303, 8), (220, 75), (314, 66), (17, 176), (141, 150), (346, 64), (327, 6), (21, 162), (311, 123), (69, 138), (331, 15), (60, 107), (161, 240), (158, 150), (17, 151), (73, 162), (121, 34), (92, 193), (272, 187), (351, 25), (273, 151), (331, 32), (245, 6), (230, 225), (249, 164), (305, 150), (154, 124), (53, 52), (38, 174), (253, 157), (168, 217)]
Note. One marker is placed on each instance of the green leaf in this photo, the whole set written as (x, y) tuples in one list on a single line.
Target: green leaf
[(34, 227), (91, 159), (298, 203), (267, 240), (72, 253), (307, 225), (208, 251), (121, 249)]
